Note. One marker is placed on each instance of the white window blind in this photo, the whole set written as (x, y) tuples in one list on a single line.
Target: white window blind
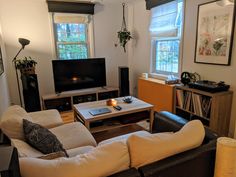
[(163, 20), (71, 18)]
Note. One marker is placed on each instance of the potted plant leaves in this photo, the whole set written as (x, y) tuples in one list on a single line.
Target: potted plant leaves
[(26, 65), (124, 35)]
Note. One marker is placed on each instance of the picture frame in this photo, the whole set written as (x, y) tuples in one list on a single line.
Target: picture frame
[(1, 63), (215, 32)]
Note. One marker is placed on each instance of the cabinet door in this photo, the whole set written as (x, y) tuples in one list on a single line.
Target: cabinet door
[(158, 94)]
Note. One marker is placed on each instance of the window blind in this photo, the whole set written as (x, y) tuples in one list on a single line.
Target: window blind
[(71, 18), (70, 7), (163, 20)]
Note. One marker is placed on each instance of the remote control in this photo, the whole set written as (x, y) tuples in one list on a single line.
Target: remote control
[(118, 108)]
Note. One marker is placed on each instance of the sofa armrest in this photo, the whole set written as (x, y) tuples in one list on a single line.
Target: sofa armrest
[(196, 162), (47, 118), (167, 122), (132, 172)]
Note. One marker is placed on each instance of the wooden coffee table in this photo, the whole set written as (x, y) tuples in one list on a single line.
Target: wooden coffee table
[(112, 120)]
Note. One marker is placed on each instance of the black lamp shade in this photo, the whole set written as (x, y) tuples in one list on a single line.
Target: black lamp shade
[(23, 42)]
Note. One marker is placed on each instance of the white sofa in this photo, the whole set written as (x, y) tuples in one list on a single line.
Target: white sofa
[(87, 158), (75, 138)]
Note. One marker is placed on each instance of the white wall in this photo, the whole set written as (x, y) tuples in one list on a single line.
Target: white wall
[(107, 22), (140, 53), (30, 19), (4, 95), (140, 47)]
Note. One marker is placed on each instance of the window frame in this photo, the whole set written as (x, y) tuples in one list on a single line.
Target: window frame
[(89, 39), (163, 74), (153, 58)]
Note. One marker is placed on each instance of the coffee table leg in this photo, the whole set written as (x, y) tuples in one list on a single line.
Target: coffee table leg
[(151, 119), (87, 125)]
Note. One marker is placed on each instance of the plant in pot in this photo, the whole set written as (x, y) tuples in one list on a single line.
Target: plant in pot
[(26, 65), (124, 35)]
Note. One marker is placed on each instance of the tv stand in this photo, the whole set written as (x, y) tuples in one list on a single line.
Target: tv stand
[(64, 101)]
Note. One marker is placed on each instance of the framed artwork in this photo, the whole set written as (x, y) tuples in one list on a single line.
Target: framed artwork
[(1, 63), (215, 29)]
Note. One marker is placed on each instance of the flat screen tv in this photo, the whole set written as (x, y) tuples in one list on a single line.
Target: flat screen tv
[(79, 74)]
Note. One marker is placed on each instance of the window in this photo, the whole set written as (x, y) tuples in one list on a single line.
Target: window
[(71, 36), (166, 31)]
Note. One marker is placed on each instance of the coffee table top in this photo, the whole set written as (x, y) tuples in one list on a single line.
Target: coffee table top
[(137, 105)]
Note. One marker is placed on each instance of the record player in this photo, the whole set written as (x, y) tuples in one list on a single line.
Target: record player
[(209, 86)]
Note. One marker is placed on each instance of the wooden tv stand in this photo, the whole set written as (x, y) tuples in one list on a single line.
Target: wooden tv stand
[(65, 100)]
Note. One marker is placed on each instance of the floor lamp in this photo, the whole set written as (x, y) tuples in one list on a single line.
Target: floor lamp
[(23, 43)]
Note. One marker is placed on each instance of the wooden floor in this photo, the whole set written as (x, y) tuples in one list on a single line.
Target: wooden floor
[(68, 117)]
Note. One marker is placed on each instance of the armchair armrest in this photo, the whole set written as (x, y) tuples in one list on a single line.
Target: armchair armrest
[(4, 140), (196, 162), (47, 118), (167, 122)]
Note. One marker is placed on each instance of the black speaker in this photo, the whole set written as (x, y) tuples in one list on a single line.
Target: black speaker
[(124, 81), (31, 92)]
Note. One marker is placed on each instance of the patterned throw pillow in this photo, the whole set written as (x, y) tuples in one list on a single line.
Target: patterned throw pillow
[(41, 138)]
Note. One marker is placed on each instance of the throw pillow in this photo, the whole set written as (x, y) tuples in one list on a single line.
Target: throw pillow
[(147, 149), (41, 138)]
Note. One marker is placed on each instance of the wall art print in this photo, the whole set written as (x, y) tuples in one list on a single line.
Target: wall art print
[(215, 29)]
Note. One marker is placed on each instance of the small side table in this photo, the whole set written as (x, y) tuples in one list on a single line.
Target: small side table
[(9, 162)]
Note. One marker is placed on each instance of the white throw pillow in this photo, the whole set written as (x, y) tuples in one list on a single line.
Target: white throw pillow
[(100, 162), (147, 149), (12, 122)]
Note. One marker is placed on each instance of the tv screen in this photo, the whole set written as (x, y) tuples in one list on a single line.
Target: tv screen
[(79, 74)]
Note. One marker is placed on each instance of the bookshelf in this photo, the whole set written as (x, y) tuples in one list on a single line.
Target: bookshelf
[(213, 109)]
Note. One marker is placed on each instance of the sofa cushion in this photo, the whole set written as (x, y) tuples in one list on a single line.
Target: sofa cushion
[(12, 122), (41, 138), (24, 149), (124, 137), (100, 162), (79, 150), (47, 118), (74, 135), (53, 155), (147, 149)]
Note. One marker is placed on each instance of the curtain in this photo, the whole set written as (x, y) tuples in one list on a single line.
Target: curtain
[(163, 20)]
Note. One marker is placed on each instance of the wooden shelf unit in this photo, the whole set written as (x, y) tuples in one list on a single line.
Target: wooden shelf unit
[(213, 109), (64, 101)]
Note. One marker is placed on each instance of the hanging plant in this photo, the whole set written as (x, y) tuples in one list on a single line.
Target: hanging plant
[(124, 35)]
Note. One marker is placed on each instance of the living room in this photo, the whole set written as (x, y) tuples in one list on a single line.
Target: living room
[(31, 20)]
